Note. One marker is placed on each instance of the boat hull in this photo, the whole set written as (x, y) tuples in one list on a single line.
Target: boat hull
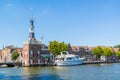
[(69, 63)]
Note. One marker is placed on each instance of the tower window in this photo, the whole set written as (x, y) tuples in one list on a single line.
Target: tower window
[(38, 52), (31, 52)]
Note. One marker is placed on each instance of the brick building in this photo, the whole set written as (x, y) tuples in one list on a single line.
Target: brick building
[(31, 48), (5, 54), (84, 51), (34, 52)]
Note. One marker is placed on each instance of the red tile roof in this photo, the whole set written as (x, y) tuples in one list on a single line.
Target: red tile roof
[(90, 48), (115, 49), (74, 48)]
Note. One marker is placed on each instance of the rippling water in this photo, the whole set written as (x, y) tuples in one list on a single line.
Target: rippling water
[(81, 72)]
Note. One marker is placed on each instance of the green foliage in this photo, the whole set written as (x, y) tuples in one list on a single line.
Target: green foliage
[(56, 47), (117, 46), (118, 54), (97, 51), (107, 51), (15, 55)]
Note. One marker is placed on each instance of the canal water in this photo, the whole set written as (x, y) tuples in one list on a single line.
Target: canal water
[(80, 72)]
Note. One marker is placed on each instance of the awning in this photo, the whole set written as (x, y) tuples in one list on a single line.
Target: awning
[(46, 56)]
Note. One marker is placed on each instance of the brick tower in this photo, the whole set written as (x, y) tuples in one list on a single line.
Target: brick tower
[(31, 48)]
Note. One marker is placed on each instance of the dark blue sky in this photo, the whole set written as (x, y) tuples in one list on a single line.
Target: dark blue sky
[(79, 22)]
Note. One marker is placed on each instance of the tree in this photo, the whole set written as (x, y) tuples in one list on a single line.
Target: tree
[(118, 54), (63, 46), (97, 51), (117, 46), (15, 55), (57, 47), (107, 51)]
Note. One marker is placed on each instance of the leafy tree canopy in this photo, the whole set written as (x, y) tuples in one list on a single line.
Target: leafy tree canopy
[(107, 51), (118, 54), (117, 46), (57, 47), (97, 51), (15, 55)]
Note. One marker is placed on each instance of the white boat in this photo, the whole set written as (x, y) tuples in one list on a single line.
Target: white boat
[(68, 59)]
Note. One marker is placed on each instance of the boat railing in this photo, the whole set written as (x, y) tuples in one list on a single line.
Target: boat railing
[(66, 52)]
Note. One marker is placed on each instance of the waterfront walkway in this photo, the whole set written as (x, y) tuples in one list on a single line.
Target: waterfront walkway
[(99, 62)]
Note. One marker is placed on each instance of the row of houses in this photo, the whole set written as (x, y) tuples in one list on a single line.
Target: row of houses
[(32, 54), (86, 52)]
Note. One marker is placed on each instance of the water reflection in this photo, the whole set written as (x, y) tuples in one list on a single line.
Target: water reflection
[(29, 73), (35, 77), (30, 70), (84, 72), (39, 73), (42, 77)]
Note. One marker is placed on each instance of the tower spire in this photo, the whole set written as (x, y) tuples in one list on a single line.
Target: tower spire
[(31, 29), (31, 21)]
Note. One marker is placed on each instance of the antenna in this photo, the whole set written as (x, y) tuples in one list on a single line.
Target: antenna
[(41, 38)]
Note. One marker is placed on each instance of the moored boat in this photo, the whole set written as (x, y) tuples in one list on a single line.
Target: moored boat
[(68, 59)]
